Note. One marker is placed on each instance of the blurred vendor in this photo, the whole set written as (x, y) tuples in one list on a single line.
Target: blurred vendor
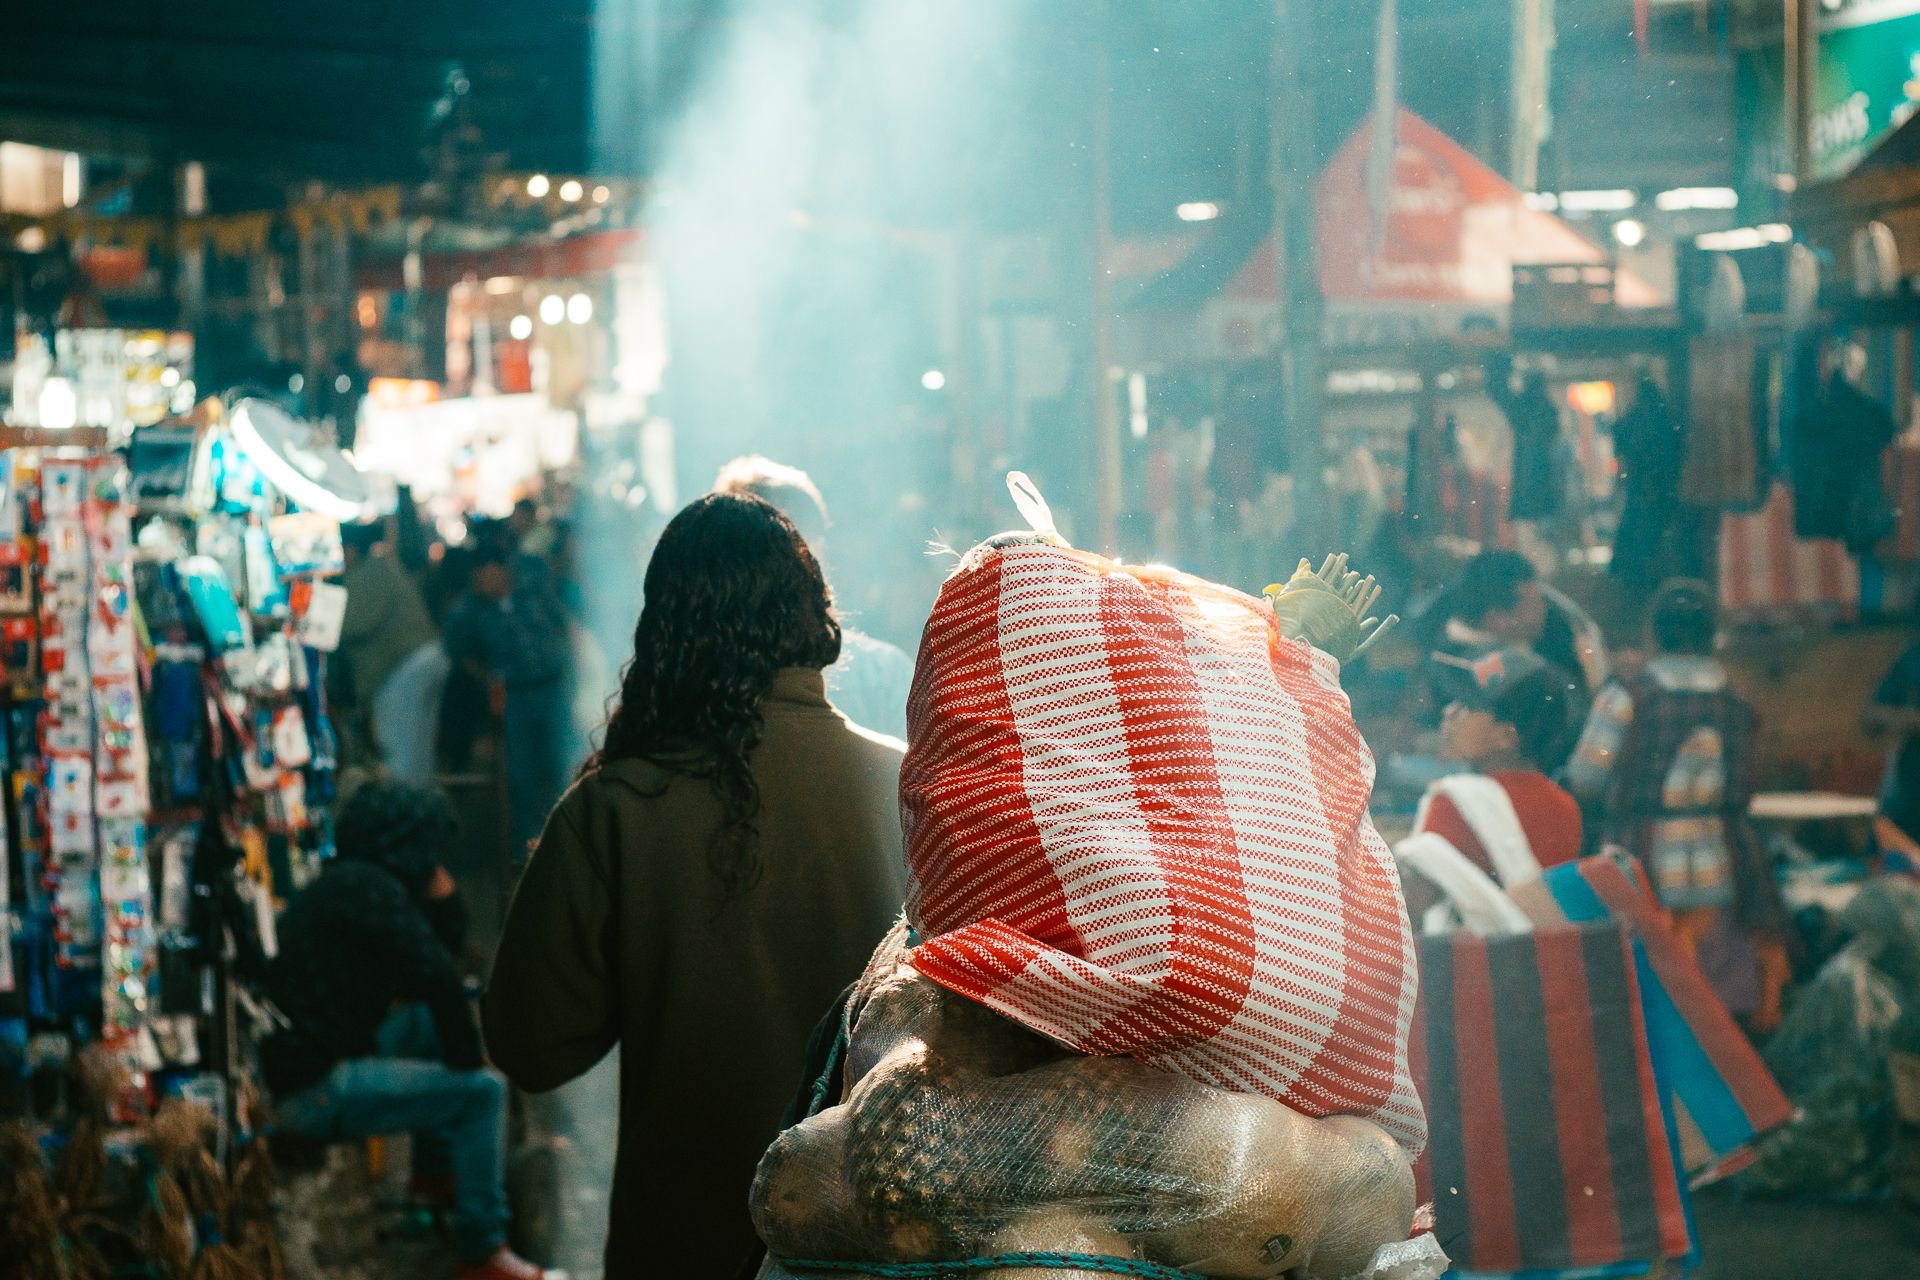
[(378, 1035), (1500, 602)]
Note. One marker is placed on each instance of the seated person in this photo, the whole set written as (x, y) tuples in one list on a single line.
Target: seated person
[(1500, 602), (1510, 714), (378, 1035)]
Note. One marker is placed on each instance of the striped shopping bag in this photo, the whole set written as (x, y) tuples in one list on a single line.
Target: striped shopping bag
[(1720, 1093), (1901, 468), (1768, 572), (1547, 1149)]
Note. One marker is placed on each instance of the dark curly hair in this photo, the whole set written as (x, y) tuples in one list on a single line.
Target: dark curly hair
[(732, 596)]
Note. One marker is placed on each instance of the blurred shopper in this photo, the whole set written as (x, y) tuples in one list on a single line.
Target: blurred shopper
[(721, 871), (1538, 487), (379, 1036), (1666, 763), (869, 682), (513, 642), (393, 657), (1500, 602), (1510, 721), (523, 522), (1650, 445)]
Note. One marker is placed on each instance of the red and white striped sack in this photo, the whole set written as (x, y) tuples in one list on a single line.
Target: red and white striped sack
[(1137, 823)]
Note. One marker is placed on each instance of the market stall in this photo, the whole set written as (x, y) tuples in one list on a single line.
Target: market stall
[(168, 765), (1422, 284), (1785, 559)]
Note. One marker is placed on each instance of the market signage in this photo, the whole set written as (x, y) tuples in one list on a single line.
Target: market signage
[(1867, 85)]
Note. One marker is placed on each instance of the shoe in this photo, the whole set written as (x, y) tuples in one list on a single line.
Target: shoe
[(505, 1264)]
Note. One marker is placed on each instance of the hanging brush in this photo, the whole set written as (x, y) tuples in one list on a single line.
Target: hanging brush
[(1331, 609)]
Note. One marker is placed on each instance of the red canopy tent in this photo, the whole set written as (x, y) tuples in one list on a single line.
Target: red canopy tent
[(1441, 253)]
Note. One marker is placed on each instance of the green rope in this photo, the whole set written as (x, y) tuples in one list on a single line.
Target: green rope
[(835, 1053), (1043, 1261)]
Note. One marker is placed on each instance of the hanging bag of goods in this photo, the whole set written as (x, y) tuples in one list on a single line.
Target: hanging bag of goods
[(1136, 816)]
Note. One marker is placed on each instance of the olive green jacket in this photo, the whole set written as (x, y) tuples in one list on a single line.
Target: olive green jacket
[(619, 935)]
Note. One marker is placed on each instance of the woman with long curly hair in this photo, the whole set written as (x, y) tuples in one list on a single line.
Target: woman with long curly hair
[(722, 868)]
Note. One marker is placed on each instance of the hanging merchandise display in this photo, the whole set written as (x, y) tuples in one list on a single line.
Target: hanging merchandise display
[(168, 765)]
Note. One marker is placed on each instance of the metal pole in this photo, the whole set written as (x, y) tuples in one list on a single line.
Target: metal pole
[(1531, 92), (1293, 169), (1802, 41)]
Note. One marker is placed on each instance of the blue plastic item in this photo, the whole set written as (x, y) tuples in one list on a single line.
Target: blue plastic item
[(213, 603)]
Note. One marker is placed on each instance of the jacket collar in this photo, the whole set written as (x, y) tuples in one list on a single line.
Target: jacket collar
[(806, 686)]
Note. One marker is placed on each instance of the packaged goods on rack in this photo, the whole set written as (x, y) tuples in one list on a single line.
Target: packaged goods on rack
[(167, 765)]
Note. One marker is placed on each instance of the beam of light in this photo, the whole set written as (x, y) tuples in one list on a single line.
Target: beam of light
[(823, 342), (1198, 211)]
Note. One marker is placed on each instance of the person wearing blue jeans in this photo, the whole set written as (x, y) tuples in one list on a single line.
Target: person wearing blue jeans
[(378, 1035), (457, 1119)]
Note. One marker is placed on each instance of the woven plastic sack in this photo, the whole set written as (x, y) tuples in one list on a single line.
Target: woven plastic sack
[(966, 1138), (1137, 824)]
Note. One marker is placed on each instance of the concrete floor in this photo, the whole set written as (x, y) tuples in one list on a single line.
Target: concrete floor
[(1778, 1240)]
